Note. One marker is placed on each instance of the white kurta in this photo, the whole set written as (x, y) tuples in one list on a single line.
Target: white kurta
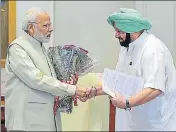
[(152, 61), (30, 88)]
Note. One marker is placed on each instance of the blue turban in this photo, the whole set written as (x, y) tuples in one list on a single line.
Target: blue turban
[(129, 20)]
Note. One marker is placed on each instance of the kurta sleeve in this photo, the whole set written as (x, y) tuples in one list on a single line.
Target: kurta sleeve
[(22, 65), (153, 68)]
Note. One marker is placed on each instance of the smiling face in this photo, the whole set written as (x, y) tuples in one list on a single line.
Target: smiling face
[(41, 29)]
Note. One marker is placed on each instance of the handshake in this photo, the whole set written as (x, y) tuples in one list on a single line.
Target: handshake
[(82, 93), (85, 93)]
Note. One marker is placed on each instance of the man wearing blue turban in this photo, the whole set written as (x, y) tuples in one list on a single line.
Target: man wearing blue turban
[(153, 106), (128, 21)]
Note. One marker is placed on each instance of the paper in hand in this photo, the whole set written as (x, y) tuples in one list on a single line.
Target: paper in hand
[(114, 81)]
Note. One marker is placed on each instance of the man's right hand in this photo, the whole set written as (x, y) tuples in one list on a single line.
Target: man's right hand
[(90, 93), (80, 92)]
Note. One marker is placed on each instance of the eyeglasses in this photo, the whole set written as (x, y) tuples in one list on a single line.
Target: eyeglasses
[(47, 25)]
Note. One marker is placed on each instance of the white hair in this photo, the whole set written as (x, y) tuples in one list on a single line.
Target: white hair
[(30, 16)]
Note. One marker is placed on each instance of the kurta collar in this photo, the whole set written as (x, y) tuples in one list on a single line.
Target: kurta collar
[(32, 40), (139, 41)]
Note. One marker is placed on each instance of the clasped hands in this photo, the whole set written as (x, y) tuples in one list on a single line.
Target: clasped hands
[(82, 93), (86, 93)]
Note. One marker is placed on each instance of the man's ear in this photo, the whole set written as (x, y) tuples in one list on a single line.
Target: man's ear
[(31, 29)]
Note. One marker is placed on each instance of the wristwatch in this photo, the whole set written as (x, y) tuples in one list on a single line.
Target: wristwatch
[(128, 107)]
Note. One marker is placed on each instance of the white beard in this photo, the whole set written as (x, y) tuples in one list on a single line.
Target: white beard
[(40, 37)]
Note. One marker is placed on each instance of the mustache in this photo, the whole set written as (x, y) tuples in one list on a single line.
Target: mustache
[(48, 34), (120, 39)]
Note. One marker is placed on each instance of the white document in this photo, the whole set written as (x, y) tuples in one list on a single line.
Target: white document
[(114, 81)]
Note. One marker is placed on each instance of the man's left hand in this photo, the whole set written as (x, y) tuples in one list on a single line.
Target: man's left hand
[(118, 101)]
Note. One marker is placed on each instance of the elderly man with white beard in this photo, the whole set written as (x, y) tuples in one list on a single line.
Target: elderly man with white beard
[(31, 85)]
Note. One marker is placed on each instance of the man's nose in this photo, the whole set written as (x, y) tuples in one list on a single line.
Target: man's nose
[(51, 29), (117, 34)]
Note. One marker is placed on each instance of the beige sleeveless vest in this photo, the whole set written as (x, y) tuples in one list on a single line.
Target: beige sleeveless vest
[(37, 53)]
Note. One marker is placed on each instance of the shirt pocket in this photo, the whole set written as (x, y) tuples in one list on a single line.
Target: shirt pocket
[(133, 70)]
